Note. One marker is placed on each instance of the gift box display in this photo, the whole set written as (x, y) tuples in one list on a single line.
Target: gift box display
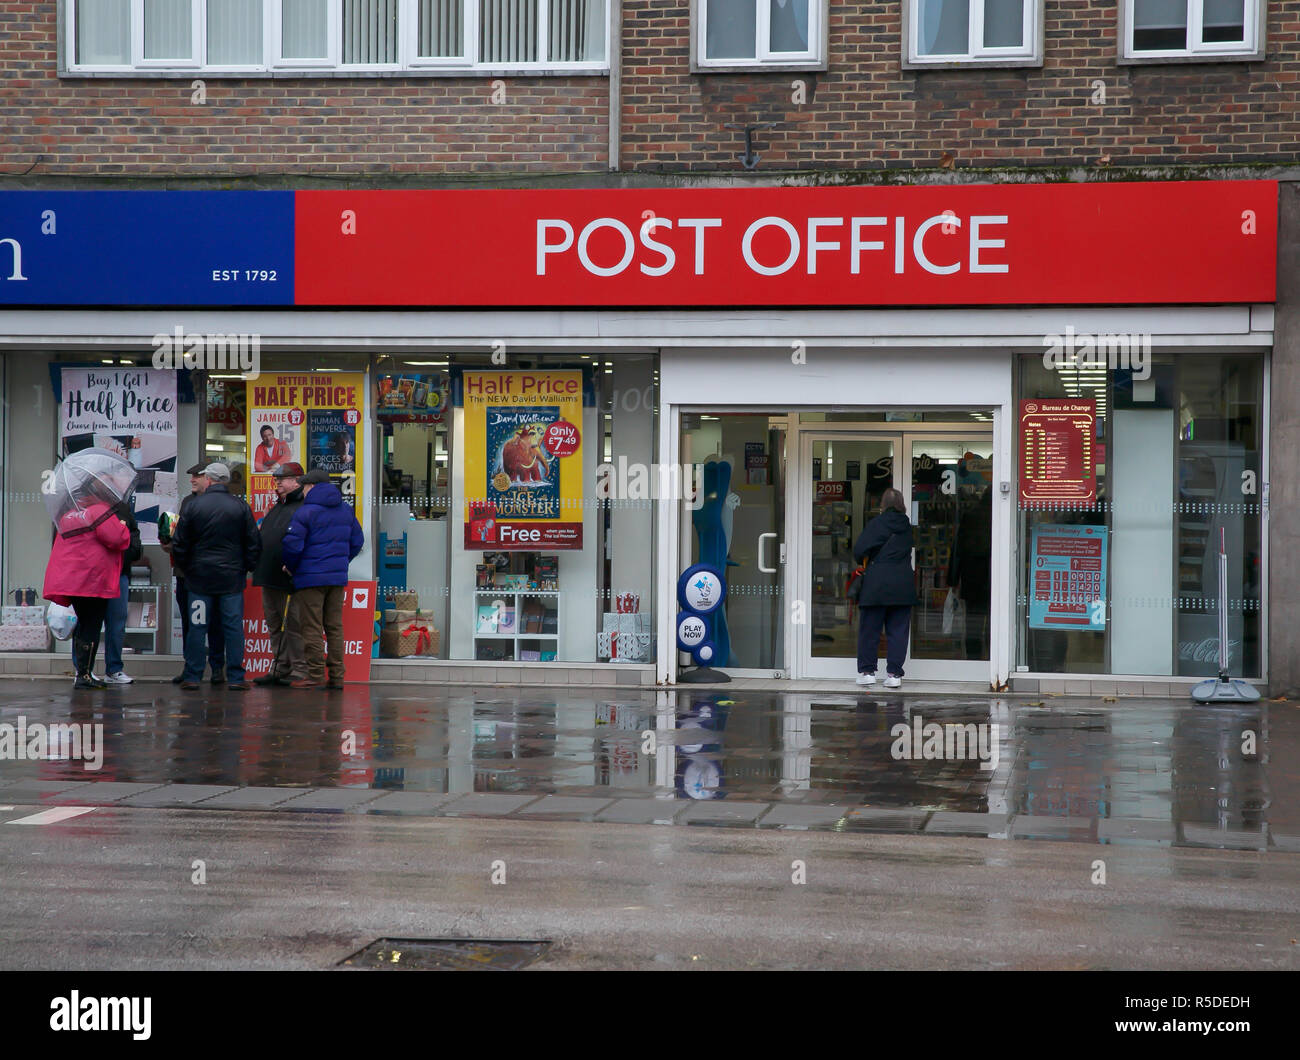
[(393, 615), (398, 641), (627, 633), (24, 638), (405, 601), (22, 616)]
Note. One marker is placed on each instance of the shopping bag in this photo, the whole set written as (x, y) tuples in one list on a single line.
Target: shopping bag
[(954, 615), (61, 620)]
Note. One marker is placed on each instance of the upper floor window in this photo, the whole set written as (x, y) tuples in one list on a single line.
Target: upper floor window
[(234, 36), (985, 32), (1205, 29), (759, 33)]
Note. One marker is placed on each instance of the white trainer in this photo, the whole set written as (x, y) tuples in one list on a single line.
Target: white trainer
[(118, 678), (866, 679), (893, 682)]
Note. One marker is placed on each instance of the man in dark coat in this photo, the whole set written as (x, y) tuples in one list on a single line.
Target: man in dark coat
[(216, 642), (888, 590), (323, 538), (216, 543), (115, 616), (278, 605)]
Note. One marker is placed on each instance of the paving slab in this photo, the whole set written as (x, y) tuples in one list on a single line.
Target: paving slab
[(484, 804), (1136, 828), (643, 811), (951, 822), (885, 819), (802, 816), (99, 794), (412, 803), (27, 790), (1033, 826), (724, 812), (171, 796), (565, 808), (251, 799), (1206, 835), (1290, 843), (334, 800)]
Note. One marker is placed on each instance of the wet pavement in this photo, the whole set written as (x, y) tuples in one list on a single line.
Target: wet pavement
[(1112, 770), (121, 889)]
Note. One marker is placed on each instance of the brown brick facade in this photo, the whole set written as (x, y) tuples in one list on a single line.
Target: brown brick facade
[(865, 113)]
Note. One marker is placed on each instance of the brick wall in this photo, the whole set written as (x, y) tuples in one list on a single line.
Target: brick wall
[(866, 112), (143, 126)]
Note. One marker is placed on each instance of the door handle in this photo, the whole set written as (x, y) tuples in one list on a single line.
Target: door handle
[(761, 566)]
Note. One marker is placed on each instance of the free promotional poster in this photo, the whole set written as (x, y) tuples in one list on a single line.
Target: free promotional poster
[(131, 412), (523, 473)]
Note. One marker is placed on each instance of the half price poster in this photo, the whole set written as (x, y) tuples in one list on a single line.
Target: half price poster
[(132, 412), (312, 420), (523, 460)]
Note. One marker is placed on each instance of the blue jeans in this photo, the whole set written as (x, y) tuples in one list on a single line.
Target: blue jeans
[(225, 615), (115, 630)]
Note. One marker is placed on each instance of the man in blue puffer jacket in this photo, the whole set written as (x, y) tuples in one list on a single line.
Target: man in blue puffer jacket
[(323, 538)]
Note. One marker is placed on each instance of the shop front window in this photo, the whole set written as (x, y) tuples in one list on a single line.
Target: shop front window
[(523, 511), (1131, 480)]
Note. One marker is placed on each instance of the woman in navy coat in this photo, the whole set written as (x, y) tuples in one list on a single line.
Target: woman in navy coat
[(888, 590)]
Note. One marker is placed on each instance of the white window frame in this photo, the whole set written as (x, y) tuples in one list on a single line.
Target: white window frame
[(1028, 54), (274, 47), (197, 43), (468, 56), (764, 58), (275, 64), (1199, 51)]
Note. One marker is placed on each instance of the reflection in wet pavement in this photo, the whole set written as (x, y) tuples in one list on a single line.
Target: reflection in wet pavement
[(1132, 770)]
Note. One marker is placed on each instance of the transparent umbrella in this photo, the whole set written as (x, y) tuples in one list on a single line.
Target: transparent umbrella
[(85, 479)]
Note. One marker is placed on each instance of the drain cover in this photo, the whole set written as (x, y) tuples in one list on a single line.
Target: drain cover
[(434, 955)]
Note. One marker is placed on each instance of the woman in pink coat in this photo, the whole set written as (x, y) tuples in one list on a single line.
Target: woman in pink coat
[(84, 573)]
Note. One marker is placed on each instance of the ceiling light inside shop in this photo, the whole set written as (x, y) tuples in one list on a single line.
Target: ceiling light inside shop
[(427, 364), (214, 448)]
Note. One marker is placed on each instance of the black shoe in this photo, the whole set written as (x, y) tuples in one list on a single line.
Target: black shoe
[(270, 679), (190, 686), (238, 686), (217, 679), (88, 681), (178, 679)]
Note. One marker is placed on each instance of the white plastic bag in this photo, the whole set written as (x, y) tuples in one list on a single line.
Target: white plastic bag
[(954, 615), (61, 620)]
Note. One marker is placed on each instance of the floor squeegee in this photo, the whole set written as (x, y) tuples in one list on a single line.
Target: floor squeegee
[(1223, 689)]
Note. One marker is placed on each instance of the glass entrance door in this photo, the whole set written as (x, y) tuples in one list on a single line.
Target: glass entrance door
[(737, 522), (948, 478)]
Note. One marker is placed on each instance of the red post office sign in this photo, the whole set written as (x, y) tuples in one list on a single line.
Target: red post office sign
[(989, 244)]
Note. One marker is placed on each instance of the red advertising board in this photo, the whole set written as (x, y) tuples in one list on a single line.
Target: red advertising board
[(359, 605), (974, 244), (1057, 451)]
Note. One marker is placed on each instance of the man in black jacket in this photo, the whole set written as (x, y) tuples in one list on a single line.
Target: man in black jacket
[(115, 616), (216, 543), (287, 660), (216, 644)]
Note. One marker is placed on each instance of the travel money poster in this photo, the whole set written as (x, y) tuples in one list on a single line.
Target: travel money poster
[(523, 460), (314, 420), (132, 412), (1067, 578)]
